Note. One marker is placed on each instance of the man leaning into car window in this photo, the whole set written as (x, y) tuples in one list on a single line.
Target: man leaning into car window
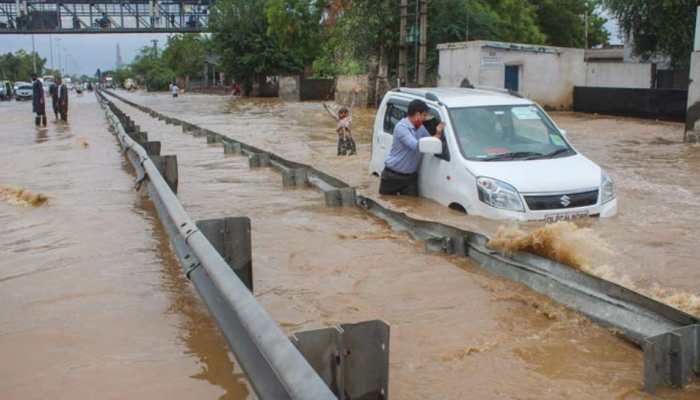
[(400, 175)]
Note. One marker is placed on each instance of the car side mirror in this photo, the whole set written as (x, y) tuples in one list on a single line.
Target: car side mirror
[(430, 145), (563, 132)]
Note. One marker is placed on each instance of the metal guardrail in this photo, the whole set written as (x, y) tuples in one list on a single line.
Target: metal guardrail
[(669, 337), (350, 360)]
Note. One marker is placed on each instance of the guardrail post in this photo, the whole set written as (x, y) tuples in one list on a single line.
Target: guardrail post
[(294, 177), (353, 359), (257, 160), (213, 138), (140, 137), (152, 148), (342, 197), (231, 238), (167, 165), (232, 148), (198, 132), (671, 358)]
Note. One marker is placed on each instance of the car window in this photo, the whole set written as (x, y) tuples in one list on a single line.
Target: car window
[(394, 113), (514, 132)]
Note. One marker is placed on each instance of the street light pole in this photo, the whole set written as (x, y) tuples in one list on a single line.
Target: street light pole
[(33, 54), (51, 51)]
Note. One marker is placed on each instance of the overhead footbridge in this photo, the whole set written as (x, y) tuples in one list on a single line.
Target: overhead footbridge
[(103, 16)]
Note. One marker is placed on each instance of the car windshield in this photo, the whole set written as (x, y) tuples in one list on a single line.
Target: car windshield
[(25, 87), (502, 133)]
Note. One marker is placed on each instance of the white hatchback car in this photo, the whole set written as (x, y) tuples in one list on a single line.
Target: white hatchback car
[(501, 157)]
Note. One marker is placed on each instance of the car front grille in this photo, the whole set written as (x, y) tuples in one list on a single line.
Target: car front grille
[(562, 201)]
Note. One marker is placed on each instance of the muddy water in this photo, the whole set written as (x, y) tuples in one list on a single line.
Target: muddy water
[(456, 331), (93, 303), (650, 246)]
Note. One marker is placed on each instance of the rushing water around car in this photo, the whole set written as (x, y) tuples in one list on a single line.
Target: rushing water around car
[(650, 245)]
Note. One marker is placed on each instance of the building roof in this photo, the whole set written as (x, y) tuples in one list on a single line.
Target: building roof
[(507, 46), (609, 53), (454, 97)]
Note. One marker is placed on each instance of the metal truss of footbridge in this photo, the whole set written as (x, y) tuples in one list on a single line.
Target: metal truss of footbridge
[(106, 16)]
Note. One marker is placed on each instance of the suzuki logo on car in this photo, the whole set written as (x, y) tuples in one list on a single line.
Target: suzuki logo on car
[(565, 200)]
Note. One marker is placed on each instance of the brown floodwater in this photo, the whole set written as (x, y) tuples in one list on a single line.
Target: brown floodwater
[(457, 332), (649, 246), (93, 303)]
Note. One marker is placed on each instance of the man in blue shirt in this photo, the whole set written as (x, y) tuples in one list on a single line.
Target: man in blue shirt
[(400, 175)]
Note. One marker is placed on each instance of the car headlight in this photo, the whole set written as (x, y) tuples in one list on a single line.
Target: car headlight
[(607, 188), (498, 194)]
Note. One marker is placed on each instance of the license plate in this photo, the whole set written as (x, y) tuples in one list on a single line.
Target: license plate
[(549, 218)]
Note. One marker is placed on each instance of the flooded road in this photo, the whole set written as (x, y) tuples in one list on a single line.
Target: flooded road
[(93, 303), (649, 246), (457, 332)]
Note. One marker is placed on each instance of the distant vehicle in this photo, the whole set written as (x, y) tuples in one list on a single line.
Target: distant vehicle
[(69, 83), (501, 157), (129, 84), (109, 82), (3, 94), (24, 92), (20, 83), (48, 81)]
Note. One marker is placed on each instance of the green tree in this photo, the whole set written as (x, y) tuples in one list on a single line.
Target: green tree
[(184, 55), (566, 22), (249, 54), (150, 70), (364, 31), (460, 20), (296, 25), (20, 65), (661, 27)]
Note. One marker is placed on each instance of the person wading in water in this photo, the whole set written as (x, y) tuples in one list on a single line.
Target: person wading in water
[(400, 175), (38, 101)]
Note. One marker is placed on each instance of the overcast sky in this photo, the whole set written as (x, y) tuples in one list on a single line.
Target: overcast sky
[(88, 52)]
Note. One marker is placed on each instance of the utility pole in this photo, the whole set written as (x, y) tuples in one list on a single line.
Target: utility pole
[(51, 50), (58, 54), (33, 54), (466, 30), (585, 30), (155, 47), (692, 124), (402, 43), (423, 52)]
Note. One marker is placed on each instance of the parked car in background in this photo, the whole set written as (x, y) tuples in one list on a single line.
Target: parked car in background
[(24, 92), (20, 83), (3, 91), (501, 157)]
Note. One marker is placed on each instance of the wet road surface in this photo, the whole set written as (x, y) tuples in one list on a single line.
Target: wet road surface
[(93, 303), (456, 331), (650, 246)]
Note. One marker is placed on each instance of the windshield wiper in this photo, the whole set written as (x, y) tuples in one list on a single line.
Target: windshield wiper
[(512, 156), (550, 155)]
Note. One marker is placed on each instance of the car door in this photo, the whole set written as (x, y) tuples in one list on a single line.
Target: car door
[(435, 179), (395, 111)]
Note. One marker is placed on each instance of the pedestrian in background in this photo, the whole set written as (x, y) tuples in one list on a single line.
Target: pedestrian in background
[(63, 101), (53, 92), (346, 143), (38, 101), (174, 89)]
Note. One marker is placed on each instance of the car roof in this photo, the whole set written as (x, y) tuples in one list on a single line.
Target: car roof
[(455, 97)]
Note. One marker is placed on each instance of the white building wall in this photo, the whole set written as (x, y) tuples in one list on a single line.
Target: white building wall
[(619, 75), (457, 62), (547, 76)]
